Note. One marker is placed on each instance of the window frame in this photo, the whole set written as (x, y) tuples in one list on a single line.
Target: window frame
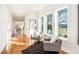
[(47, 23), (56, 22)]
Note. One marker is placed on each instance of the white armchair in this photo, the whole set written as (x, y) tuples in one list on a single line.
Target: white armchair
[(53, 46)]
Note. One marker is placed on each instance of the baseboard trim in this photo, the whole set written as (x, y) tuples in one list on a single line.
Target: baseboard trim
[(0, 51), (3, 51), (63, 52)]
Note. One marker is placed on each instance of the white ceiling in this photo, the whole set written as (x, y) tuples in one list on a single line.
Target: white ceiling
[(23, 9)]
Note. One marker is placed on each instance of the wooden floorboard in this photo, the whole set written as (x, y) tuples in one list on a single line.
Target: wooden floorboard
[(4, 51), (16, 46), (62, 52)]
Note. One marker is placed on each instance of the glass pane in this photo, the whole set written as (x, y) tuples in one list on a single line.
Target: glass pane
[(42, 25), (62, 23), (49, 24)]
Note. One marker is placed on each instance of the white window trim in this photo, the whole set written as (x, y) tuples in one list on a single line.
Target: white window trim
[(56, 23), (50, 12)]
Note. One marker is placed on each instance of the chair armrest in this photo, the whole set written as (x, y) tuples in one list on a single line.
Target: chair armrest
[(51, 46)]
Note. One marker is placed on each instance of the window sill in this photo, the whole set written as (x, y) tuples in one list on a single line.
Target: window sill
[(62, 38)]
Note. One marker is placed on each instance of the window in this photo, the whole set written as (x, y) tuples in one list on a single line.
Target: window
[(49, 24), (42, 25), (46, 24), (62, 22), (32, 26)]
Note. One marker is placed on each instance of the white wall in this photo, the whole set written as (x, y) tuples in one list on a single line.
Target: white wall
[(71, 44), (5, 26)]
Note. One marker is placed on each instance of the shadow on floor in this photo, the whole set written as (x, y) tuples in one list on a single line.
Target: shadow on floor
[(37, 48)]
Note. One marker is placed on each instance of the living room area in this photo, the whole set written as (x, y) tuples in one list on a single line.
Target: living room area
[(39, 29)]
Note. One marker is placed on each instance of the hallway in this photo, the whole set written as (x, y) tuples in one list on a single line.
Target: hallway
[(56, 25)]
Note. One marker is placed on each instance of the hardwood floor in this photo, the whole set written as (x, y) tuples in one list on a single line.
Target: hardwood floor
[(19, 43), (62, 52)]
